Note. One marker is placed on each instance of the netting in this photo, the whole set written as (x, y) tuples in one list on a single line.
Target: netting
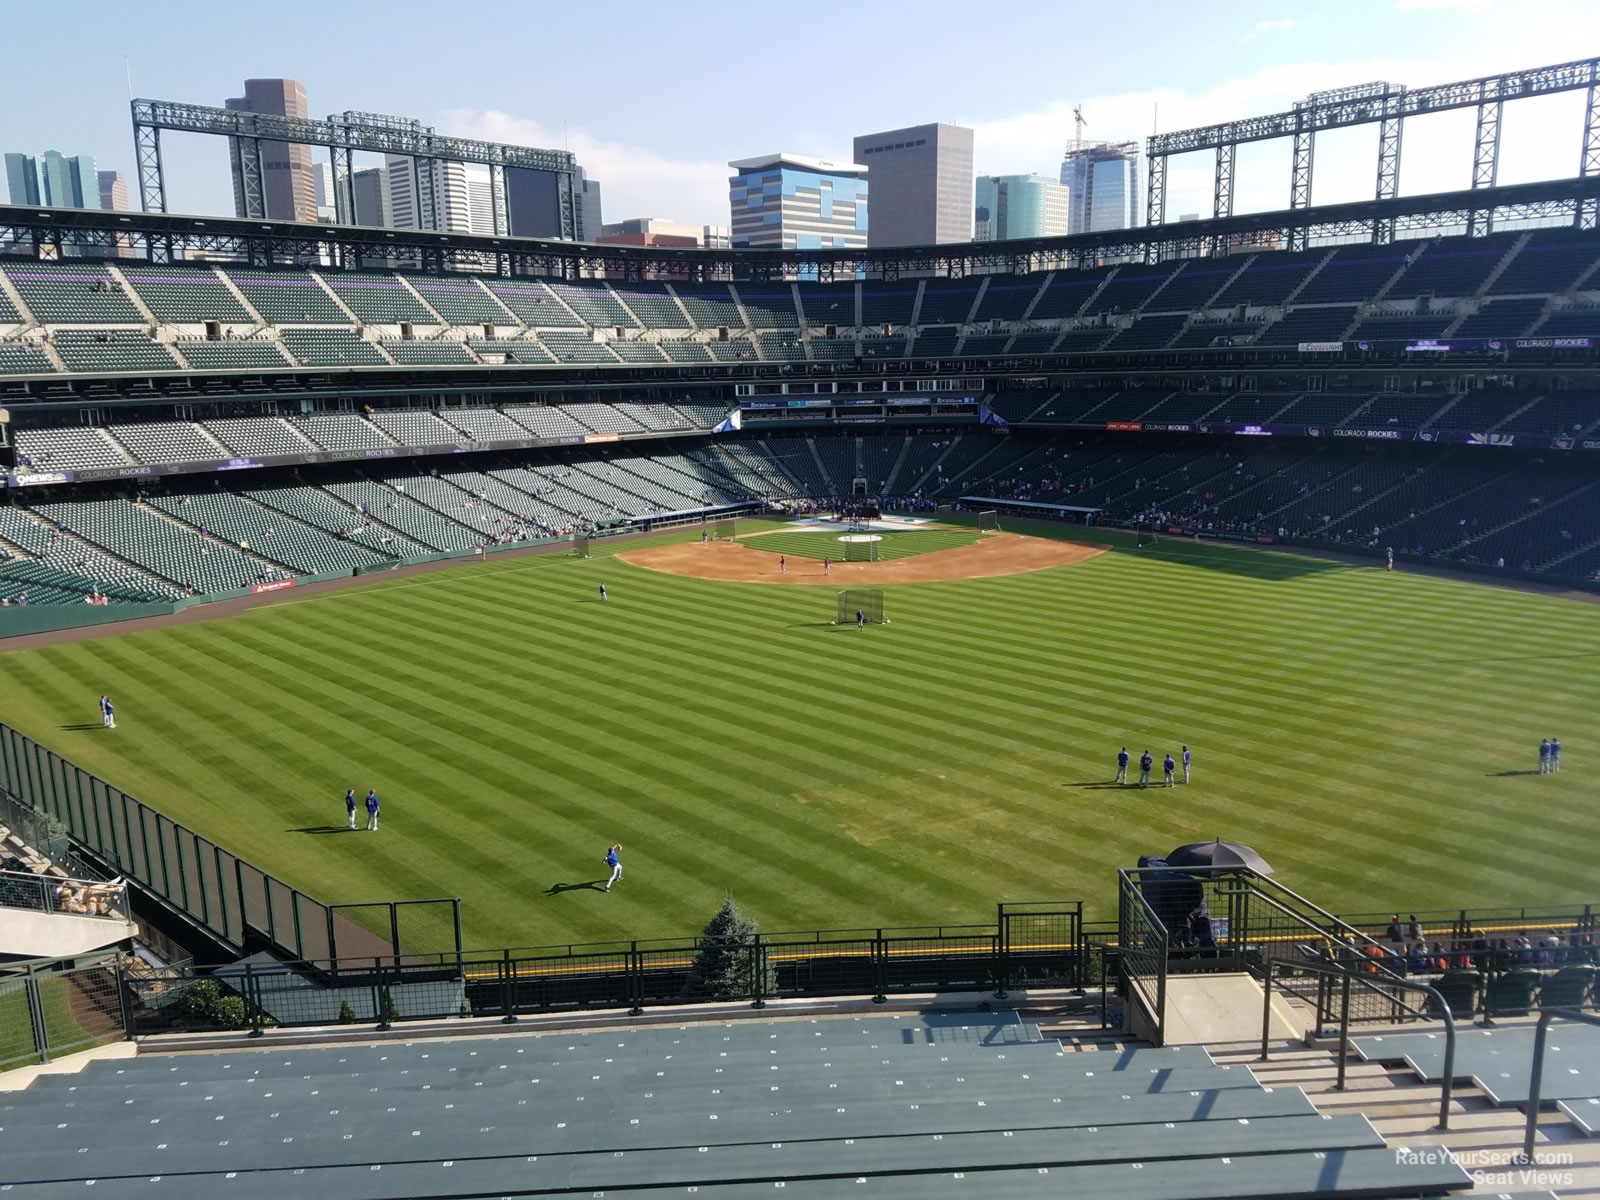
[(580, 545), (989, 521), (861, 551), (723, 530), (868, 602)]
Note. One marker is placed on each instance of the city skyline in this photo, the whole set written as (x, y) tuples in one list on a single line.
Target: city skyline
[(1187, 70)]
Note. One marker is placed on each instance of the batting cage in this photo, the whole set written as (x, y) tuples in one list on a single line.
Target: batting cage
[(723, 529), (989, 521), (866, 601), (862, 551), (580, 544)]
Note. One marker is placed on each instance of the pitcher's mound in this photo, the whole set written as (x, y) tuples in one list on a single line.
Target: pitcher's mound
[(992, 555)]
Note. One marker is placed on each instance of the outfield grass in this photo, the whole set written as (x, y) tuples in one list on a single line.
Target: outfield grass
[(1372, 734), (893, 543)]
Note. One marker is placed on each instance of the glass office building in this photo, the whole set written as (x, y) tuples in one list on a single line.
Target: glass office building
[(792, 202), (1104, 181), (1019, 206)]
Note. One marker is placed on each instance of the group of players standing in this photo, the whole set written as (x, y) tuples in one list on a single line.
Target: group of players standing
[(1169, 766)]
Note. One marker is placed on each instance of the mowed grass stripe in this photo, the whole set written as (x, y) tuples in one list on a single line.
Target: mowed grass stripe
[(1348, 722)]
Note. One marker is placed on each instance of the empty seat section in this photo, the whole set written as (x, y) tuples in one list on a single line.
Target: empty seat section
[(1451, 267), (8, 311), (947, 301), (834, 349), (1203, 334), (602, 418), (257, 435), (510, 351), (72, 293), (332, 348), (69, 448), (1007, 297), (781, 347), (546, 420), (1269, 279), (710, 306), (1572, 322), (1073, 404), (288, 297), (180, 555), (683, 350), (877, 346), (985, 344), (878, 456), (1147, 333), (339, 517), (342, 431), (1194, 286), (1184, 407), (1403, 410), (935, 343), (1130, 404), (378, 297), (1308, 325), (654, 416), (1402, 328), (1323, 408), (634, 351), (1552, 260), (269, 534), (1356, 273), (652, 304), (232, 354), (1556, 413), (186, 295), (460, 301), (769, 305), (1066, 293), (1015, 406), (168, 442), (483, 424), (1083, 340), (392, 507), (889, 302), (111, 350), (17, 359), (533, 302), (1480, 410), (668, 490), (69, 555), (576, 347), (1037, 341), (595, 304), (1129, 288), (433, 352), (414, 427), (702, 416), (1250, 408), (828, 303), (732, 350), (1501, 319)]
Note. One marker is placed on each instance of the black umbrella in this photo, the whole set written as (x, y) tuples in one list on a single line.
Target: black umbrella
[(1218, 854)]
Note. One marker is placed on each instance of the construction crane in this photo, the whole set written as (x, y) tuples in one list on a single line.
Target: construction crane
[(1077, 128)]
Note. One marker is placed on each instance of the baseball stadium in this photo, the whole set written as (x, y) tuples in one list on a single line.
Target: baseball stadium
[(606, 675)]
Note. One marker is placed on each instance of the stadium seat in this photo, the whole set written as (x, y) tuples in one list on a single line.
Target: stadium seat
[(595, 304), (573, 347), (431, 352), (68, 448), (546, 421), (342, 431), (258, 435), (483, 424), (169, 442), (828, 304), (18, 359), (710, 306), (378, 297), (887, 303), (533, 303), (514, 351), (768, 305), (287, 296), (1008, 298), (232, 354), (190, 295), (112, 350), (653, 304), (461, 301), (72, 293), (332, 348), (947, 300)]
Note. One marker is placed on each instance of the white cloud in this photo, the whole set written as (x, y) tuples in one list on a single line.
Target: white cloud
[(1275, 25), (1438, 5), (635, 181)]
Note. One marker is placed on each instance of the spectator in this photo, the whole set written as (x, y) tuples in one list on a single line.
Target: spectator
[(1396, 932)]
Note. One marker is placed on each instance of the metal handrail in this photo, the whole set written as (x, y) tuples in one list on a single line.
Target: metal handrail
[(1348, 978), (29, 890), (1536, 1080)]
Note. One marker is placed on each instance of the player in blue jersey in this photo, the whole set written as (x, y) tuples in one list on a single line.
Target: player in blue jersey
[(1168, 766), (372, 811), (1544, 757), (602, 593), (1146, 760), (1187, 759), (350, 808), (1555, 754), (1122, 765), (108, 716), (615, 863)]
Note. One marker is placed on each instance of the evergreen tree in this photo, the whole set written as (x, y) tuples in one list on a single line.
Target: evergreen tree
[(726, 967)]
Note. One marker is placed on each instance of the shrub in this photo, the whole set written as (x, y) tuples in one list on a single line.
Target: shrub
[(347, 1015), (207, 1002), (724, 968)]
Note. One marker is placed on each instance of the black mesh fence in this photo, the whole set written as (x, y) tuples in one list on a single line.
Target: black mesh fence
[(47, 1014)]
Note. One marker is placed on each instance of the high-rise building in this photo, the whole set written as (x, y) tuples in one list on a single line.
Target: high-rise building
[(1103, 178), (322, 182), (54, 179), (793, 202), (288, 184), (921, 184), (452, 195), (649, 231), (113, 190), (590, 220), (371, 188), (1019, 206)]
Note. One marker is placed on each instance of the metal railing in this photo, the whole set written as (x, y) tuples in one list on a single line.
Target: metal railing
[(46, 1012), (58, 894), (1143, 949), (226, 895), (1536, 1077), (1349, 982)]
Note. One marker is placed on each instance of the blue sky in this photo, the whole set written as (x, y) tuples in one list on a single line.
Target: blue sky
[(656, 99)]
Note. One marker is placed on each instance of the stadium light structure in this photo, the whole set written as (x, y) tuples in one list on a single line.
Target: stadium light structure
[(343, 135), (1386, 105)]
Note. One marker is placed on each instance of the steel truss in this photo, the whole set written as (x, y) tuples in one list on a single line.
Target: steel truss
[(1589, 162), (264, 243), (343, 135), (1371, 104)]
